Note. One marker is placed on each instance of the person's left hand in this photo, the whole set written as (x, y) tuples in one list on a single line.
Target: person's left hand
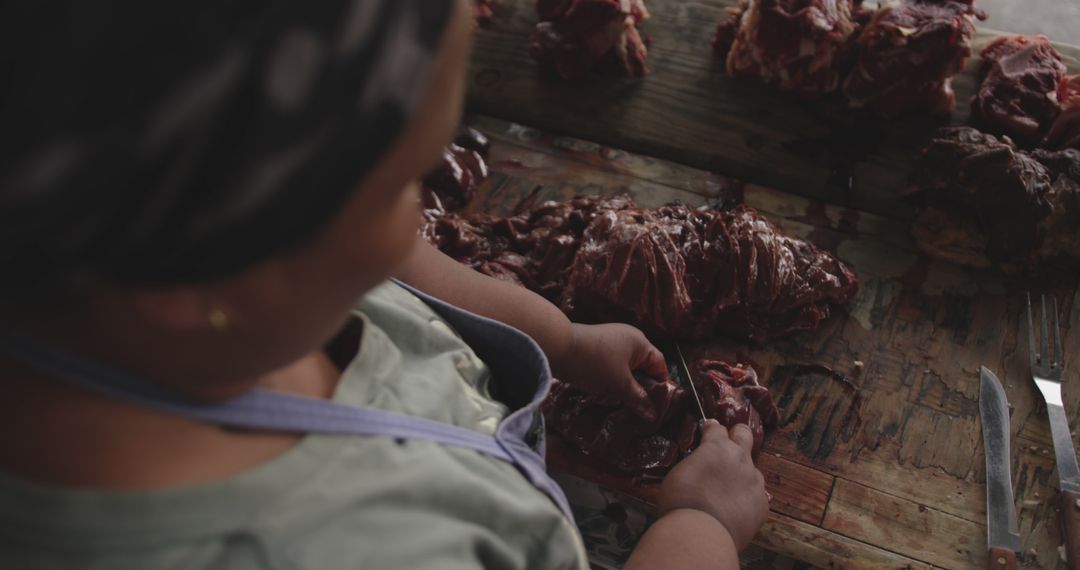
[(602, 359)]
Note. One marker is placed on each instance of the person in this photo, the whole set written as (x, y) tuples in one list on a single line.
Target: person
[(223, 345)]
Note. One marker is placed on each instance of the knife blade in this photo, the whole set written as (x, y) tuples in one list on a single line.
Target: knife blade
[(1002, 534), (689, 380)]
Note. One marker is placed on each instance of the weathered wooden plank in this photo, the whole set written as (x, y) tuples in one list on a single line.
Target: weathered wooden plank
[(895, 524), (826, 549), (689, 111)]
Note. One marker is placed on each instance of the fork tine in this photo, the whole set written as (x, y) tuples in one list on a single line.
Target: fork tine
[(1059, 353), (1044, 344), (1032, 355)]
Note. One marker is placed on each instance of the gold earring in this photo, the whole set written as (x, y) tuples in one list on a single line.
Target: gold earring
[(219, 320)]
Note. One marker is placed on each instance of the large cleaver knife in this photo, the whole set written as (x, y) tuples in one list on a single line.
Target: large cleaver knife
[(1002, 535)]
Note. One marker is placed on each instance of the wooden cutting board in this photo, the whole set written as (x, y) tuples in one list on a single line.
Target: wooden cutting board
[(883, 468), (689, 111)]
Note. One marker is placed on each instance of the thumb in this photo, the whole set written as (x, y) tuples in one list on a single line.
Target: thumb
[(651, 361), (634, 396)]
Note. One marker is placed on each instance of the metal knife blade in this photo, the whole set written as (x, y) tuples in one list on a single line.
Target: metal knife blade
[(689, 380), (1001, 528)]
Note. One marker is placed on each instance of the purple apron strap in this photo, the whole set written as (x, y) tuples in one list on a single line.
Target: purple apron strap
[(261, 409)]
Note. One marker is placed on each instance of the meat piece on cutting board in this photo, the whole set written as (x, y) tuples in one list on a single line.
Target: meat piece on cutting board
[(1065, 131), (794, 44), (483, 10), (1024, 205), (463, 167), (573, 36), (907, 53), (1018, 92), (674, 271), (618, 439)]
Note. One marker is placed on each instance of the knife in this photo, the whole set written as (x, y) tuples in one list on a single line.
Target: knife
[(1002, 534), (690, 380)]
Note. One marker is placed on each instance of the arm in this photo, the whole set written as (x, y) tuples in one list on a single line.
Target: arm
[(685, 539), (431, 271), (595, 358)]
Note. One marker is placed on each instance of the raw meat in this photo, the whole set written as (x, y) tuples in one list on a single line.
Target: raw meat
[(452, 184), (1065, 132), (989, 202), (907, 53), (1018, 95), (728, 28), (483, 11), (674, 271), (796, 44), (573, 36), (615, 437)]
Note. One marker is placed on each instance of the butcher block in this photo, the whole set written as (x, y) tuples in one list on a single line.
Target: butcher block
[(878, 458)]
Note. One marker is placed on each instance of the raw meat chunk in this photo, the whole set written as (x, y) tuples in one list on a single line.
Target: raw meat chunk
[(1018, 95), (575, 35), (795, 44), (907, 53), (616, 437), (452, 184), (1065, 132)]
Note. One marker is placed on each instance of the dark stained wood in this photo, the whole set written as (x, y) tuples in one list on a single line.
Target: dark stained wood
[(903, 424), (687, 110)]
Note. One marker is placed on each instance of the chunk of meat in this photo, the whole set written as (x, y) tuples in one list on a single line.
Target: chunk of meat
[(615, 437), (1065, 131), (988, 202), (795, 44), (573, 36), (483, 10), (907, 53), (453, 183), (673, 271), (1018, 93), (728, 27), (1005, 189)]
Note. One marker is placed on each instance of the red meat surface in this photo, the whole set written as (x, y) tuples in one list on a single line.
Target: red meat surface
[(615, 437), (907, 53), (1018, 94), (796, 44), (1065, 131), (453, 183), (483, 11), (573, 36), (673, 271)]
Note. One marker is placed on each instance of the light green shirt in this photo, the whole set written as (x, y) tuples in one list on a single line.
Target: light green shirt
[(331, 501)]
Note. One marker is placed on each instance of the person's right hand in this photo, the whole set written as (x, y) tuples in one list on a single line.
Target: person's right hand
[(719, 478)]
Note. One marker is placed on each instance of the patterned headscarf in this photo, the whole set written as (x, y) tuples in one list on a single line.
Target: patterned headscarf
[(174, 142)]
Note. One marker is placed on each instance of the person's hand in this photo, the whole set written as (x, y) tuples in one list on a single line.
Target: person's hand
[(719, 478), (602, 359)]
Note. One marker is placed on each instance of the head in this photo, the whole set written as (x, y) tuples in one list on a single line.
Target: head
[(210, 337)]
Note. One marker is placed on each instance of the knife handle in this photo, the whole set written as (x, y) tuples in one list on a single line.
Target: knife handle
[(1070, 512), (1001, 559)]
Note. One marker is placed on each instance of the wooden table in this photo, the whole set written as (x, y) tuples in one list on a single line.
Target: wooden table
[(884, 469)]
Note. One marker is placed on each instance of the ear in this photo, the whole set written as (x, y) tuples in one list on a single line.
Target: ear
[(180, 309)]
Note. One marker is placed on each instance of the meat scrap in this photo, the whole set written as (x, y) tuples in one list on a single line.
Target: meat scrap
[(573, 36), (1018, 93), (452, 184), (1021, 203), (483, 11), (673, 271), (617, 438), (1065, 131), (795, 44), (907, 54)]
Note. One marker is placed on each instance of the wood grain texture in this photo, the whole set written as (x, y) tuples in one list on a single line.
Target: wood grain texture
[(905, 422), (687, 110)]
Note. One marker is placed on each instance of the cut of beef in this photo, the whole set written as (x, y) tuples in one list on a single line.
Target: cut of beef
[(988, 202), (615, 437), (795, 44), (907, 53), (573, 36), (1018, 94), (673, 271), (452, 184), (1065, 131)]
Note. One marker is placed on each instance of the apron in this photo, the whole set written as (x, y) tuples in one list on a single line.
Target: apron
[(508, 352)]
